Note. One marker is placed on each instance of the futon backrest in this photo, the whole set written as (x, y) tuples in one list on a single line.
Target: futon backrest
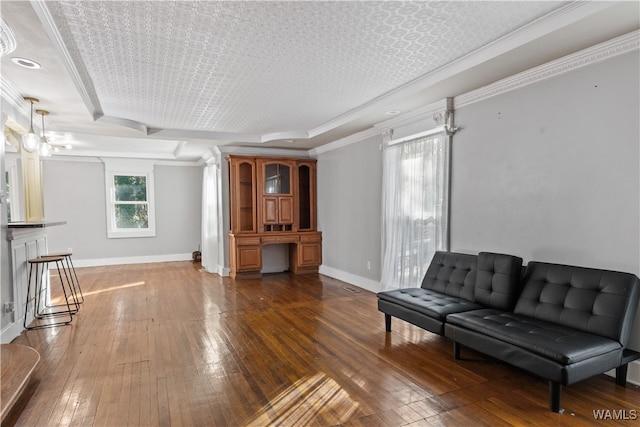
[(498, 280), (600, 302), (452, 273)]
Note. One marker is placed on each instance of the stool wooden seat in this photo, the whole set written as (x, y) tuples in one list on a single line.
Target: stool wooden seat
[(72, 274), (41, 265), (69, 279)]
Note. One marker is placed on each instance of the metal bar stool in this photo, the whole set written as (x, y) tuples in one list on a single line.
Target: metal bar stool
[(41, 265), (72, 273), (73, 292)]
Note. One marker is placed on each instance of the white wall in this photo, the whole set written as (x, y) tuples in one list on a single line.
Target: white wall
[(349, 212), (75, 192)]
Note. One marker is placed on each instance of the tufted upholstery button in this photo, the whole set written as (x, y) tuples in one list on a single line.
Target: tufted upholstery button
[(427, 302), (564, 345), (498, 280), (586, 299)]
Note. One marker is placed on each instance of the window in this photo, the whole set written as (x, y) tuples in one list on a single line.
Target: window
[(130, 201), (415, 207)]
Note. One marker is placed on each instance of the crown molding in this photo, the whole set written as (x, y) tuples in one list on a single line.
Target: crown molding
[(131, 124), (566, 15), (7, 38), (425, 112), (14, 100), (260, 151), (343, 142), (100, 158), (572, 12), (621, 45), (91, 102)]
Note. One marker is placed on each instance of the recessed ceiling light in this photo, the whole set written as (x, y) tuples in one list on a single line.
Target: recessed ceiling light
[(393, 112), (26, 63)]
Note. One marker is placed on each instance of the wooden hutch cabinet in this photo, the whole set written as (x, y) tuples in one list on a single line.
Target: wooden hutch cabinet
[(273, 201)]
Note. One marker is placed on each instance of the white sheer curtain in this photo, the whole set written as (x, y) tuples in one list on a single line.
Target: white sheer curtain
[(415, 199), (209, 240)]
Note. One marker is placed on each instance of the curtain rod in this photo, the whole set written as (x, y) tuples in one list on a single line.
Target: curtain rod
[(429, 132)]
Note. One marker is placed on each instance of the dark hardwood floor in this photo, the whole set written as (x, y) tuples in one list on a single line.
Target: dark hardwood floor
[(167, 344)]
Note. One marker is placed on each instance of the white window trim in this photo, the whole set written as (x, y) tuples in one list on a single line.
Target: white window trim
[(113, 167)]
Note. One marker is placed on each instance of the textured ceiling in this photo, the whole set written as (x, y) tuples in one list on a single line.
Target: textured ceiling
[(203, 73), (267, 67)]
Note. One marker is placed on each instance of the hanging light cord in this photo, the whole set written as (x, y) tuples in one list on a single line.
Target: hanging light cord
[(43, 137), (31, 121)]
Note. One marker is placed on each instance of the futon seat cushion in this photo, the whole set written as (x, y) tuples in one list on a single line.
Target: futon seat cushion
[(559, 343), (428, 302)]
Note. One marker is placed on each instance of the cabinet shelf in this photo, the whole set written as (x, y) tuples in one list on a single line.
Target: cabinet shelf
[(272, 199), (242, 173)]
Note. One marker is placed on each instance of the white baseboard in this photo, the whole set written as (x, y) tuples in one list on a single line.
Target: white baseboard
[(352, 279), (10, 332), (97, 262), (219, 270)]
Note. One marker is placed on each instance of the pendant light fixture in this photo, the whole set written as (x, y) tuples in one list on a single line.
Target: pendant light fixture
[(30, 140), (45, 149)]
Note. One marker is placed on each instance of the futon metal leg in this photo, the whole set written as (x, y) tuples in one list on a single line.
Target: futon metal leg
[(621, 375), (456, 350), (555, 396), (387, 322)]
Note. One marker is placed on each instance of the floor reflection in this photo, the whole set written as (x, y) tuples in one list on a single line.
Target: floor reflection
[(310, 398)]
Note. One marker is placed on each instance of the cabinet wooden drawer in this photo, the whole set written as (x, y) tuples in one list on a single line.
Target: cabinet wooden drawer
[(279, 239), (244, 241), (312, 237)]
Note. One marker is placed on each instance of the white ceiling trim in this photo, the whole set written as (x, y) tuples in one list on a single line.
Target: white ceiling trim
[(601, 52), (343, 142), (18, 109), (561, 17), (93, 105), (410, 118), (98, 158), (251, 151), (7, 38), (128, 165), (131, 124), (568, 14), (91, 102), (116, 155), (618, 46)]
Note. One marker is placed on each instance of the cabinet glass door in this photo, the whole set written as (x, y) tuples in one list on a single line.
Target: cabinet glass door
[(277, 179)]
